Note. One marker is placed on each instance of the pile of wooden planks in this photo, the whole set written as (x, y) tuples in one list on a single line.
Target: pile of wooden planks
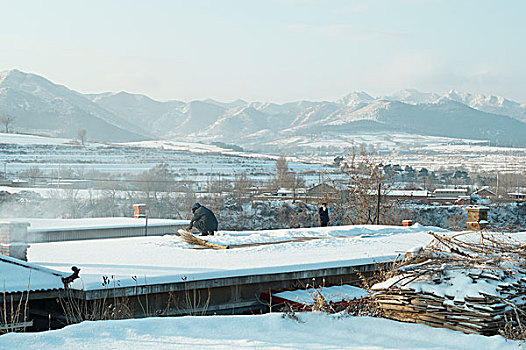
[(480, 315), (449, 285)]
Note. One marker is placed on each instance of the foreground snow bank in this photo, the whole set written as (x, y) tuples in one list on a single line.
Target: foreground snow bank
[(271, 331)]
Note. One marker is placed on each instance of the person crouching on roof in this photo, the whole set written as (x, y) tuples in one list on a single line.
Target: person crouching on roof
[(204, 220)]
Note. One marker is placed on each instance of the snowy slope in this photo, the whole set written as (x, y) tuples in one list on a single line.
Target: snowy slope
[(19, 139), (40, 105), (270, 331), (490, 104), (412, 96)]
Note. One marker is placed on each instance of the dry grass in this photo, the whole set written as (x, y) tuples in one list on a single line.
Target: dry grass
[(14, 318)]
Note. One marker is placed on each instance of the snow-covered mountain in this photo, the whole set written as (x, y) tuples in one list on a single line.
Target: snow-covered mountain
[(41, 105), (412, 96), (490, 104)]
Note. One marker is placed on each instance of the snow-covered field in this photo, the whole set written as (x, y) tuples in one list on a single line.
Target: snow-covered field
[(193, 161), (418, 151), (19, 152), (380, 140), (21, 139), (271, 331)]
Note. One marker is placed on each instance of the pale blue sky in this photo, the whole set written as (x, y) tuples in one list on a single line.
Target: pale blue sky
[(274, 50)]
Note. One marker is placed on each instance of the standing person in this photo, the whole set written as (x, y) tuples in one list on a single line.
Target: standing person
[(324, 215), (203, 220)]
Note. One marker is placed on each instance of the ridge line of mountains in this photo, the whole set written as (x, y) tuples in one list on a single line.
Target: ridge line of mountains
[(41, 106)]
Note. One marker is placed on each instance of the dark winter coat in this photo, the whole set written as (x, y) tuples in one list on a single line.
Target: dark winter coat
[(324, 216), (204, 220)]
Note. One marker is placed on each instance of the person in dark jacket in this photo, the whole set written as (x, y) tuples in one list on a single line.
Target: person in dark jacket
[(203, 220), (324, 215)]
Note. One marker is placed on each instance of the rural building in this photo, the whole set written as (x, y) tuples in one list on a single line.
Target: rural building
[(33, 286), (449, 193), (407, 194), (485, 192), (17, 234), (517, 195), (71, 184)]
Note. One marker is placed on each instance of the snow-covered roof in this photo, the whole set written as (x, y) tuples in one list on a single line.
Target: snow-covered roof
[(167, 259), (21, 276), (44, 225), (408, 193), (450, 190), (484, 189)]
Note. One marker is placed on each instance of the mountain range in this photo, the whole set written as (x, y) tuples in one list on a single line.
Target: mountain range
[(42, 106)]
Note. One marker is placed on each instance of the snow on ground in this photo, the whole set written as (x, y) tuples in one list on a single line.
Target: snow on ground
[(270, 331), (195, 148), (330, 294), (21, 139), (167, 259), (380, 140)]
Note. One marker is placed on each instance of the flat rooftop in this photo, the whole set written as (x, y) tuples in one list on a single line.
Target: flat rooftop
[(46, 225), (168, 259)]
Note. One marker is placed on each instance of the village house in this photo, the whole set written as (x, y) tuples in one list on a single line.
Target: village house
[(485, 192)]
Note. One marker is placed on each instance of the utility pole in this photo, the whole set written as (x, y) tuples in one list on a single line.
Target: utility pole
[(498, 195), (378, 203), (146, 223)]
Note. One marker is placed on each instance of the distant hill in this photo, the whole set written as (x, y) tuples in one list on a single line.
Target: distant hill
[(40, 105)]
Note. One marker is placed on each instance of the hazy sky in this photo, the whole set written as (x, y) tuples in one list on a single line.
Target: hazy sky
[(272, 50)]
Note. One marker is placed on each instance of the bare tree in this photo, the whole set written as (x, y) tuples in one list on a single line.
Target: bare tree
[(158, 179), (242, 186), (7, 120), (282, 168), (82, 136), (361, 200), (284, 177), (32, 173)]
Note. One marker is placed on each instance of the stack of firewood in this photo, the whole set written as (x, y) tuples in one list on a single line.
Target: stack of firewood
[(474, 282)]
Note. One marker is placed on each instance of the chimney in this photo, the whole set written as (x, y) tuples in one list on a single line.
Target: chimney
[(139, 210), (477, 217), (407, 223), (14, 239)]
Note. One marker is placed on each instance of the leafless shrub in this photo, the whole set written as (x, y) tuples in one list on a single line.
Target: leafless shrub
[(290, 313)]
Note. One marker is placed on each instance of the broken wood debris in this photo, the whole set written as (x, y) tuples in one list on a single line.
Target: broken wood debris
[(472, 282)]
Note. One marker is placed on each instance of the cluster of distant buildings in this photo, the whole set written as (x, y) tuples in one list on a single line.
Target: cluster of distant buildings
[(327, 191)]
